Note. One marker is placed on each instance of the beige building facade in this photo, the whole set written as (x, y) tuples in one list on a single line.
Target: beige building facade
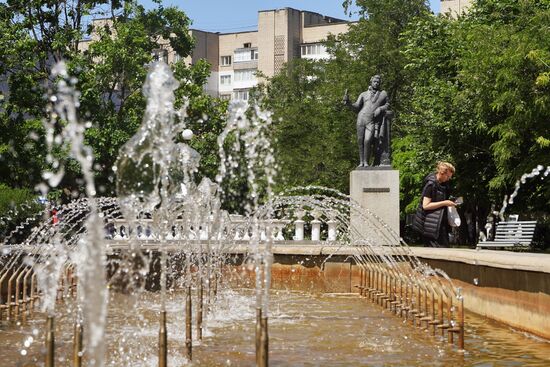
[(238, 58), (454, 7), (282, 35)]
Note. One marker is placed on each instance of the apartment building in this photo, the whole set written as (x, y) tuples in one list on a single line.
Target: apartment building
[(237, 57), (454, 7), (282, 35)]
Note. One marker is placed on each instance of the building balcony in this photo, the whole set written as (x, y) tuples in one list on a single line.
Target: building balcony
[(245, 55), (240, 65), (313, 51)]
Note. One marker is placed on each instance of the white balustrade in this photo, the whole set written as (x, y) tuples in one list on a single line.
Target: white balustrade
[(246, 236), (279, 236), (238, 235), (236, 229), (263, 236)]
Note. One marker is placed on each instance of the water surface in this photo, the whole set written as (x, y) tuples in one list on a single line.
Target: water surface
[(304, 330)]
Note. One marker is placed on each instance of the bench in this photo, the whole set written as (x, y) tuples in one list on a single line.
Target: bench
[(517, 234)]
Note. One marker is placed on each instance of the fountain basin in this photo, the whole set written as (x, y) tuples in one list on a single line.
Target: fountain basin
[(306, 328), (509, 287)]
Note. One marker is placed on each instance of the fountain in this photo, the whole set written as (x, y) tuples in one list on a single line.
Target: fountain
[(509, 200), (164, 250)]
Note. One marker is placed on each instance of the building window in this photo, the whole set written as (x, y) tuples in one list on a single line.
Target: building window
[(247, 45), (245, 75), (246, 55), (226, 60), (160, 55), (313, 49), (241, 95), (225, 97), (225, 79), (241, 56), (177, 57)]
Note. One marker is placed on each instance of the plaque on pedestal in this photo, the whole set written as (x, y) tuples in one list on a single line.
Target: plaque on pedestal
[(378, 191)]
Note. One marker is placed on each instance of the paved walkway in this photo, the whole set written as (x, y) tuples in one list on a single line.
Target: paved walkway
[(498, 259)]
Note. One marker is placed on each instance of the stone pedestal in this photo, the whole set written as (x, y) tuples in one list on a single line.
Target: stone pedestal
[(378, 191)]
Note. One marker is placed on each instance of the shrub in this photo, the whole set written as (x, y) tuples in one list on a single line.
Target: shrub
[(16, 205)]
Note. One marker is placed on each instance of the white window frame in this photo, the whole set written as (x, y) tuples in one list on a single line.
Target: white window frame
[(241, 93), (160, 54), (312, 49), (225, 79), (242, 56), (245, 55), (244, 75), (225, 60)]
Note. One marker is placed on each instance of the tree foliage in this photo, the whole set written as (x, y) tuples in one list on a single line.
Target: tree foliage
[(473, 90), (315, 134), (478, 97), (312, 145), (109, 57)]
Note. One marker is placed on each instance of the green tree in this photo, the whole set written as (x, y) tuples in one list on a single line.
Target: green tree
[(472, 90), (508, 60), (438, 121), (312, 143), (16, 205), (314, 133), (109, 58), (478, 97), (373, 44)]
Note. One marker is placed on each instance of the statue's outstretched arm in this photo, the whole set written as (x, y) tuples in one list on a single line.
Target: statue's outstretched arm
[(345, 100)]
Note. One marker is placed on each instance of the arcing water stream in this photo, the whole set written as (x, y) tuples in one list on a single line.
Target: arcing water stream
[(166, 234)]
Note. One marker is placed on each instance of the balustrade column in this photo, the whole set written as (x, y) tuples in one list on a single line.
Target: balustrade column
[(263, 232), (299, 231), (315, 230), (279, 236), (332, 230)]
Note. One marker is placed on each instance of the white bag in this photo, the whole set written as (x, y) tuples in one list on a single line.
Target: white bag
[(452, 216)]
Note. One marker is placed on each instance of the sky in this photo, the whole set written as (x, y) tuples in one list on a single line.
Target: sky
[(242, 15)]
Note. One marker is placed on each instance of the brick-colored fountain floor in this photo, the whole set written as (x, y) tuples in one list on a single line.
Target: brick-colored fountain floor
[(304, 330)]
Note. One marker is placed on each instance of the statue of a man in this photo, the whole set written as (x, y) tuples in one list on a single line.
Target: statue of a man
[(372, 106)]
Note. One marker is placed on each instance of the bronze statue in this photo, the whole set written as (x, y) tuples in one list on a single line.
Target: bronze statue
[(373, 125)]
